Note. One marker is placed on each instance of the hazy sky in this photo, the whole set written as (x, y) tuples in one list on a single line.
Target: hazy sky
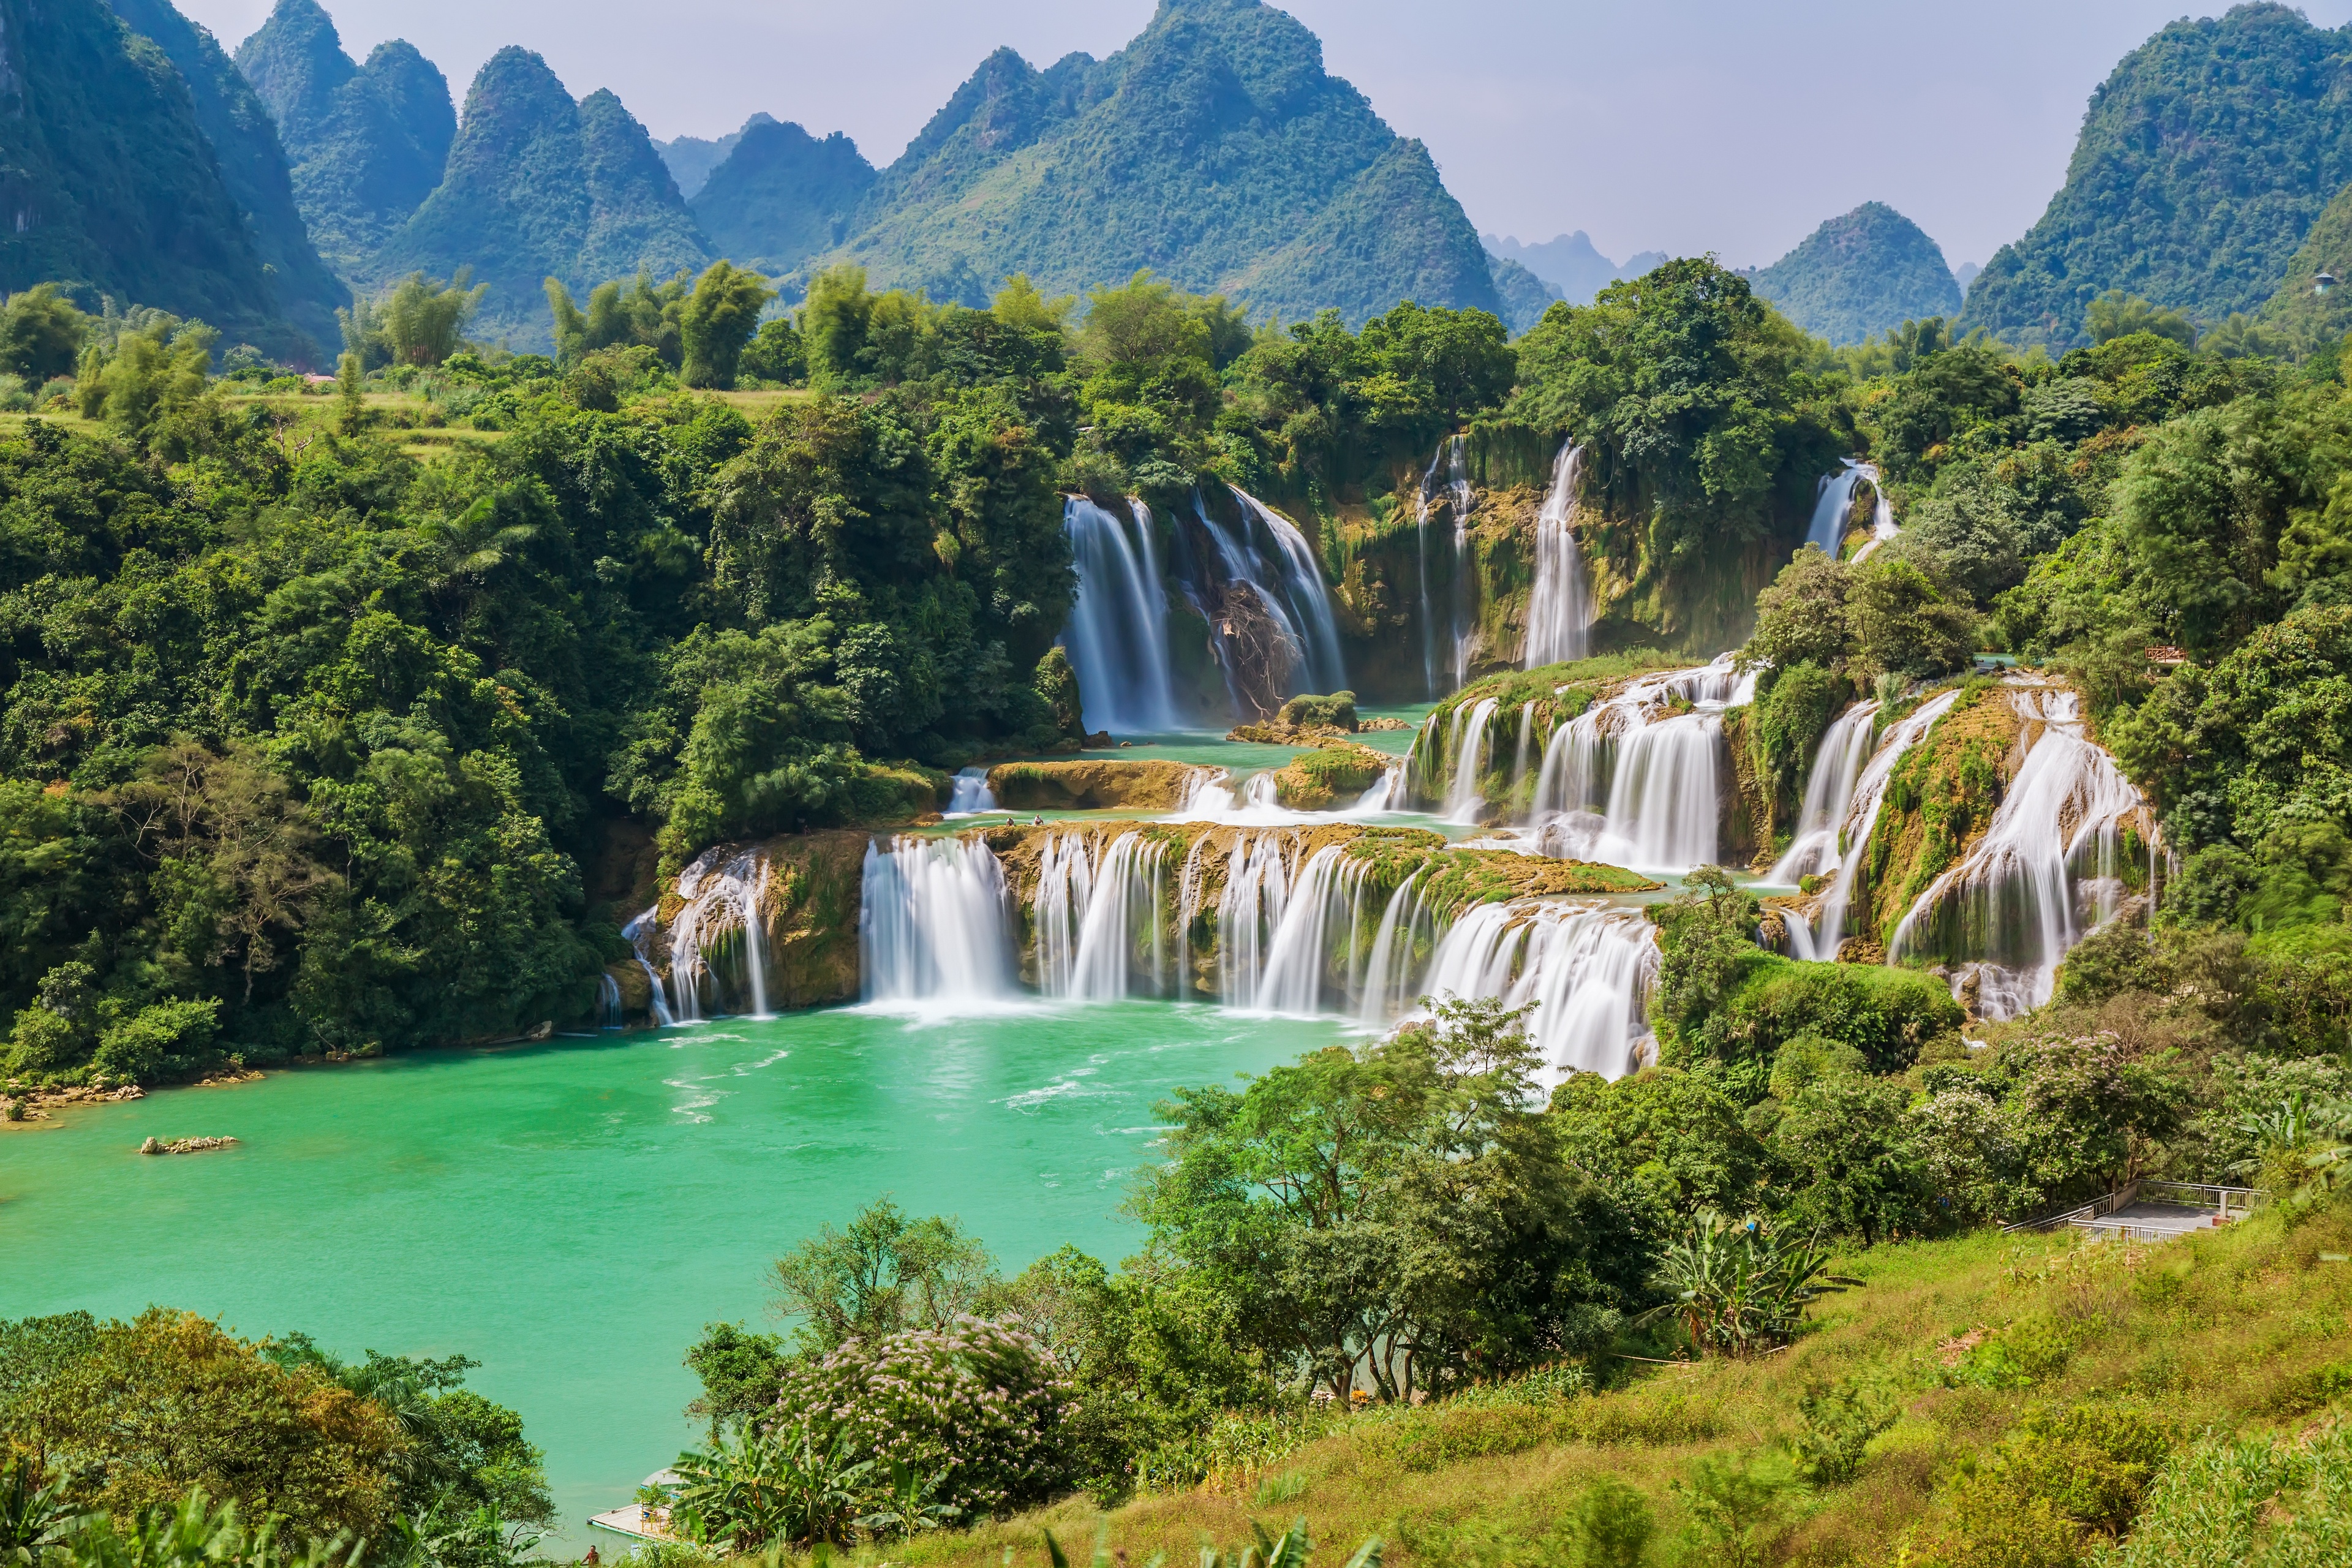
[(1676, 125)]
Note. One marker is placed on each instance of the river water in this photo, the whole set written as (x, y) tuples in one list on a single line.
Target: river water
[(571, 1214)]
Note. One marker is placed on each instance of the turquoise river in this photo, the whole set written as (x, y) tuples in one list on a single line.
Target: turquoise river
[(571, 1214)]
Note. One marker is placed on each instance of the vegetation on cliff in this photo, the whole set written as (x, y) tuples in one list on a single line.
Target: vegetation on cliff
[(368, 142), (1213, 150), (2202, 162)]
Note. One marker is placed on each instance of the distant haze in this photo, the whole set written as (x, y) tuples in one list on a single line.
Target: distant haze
[(1677, 125)]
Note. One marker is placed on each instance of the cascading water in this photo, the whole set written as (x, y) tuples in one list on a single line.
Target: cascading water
[(721, 913), (932, 926), (1385, 985), (970, 795), (1559, 606), (1288, 593), (1098, 914), (1463, 798), (1292, 977), (1827, 531), (1586, 965), (1881, 520), (1821, 937), (2023, 894), (1303, 586), (608, 1003), (1636, 781), (1828, 794), (1460, 634), (1117, 636), (641, 933)]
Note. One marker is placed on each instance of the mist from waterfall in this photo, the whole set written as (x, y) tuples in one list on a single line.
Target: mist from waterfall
[(1117, 636), (2046, 872), (933, 926), (1559, 604)]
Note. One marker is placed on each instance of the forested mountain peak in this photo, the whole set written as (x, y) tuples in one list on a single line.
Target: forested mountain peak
[(252, 164), (692, 158), (540, 186), (1859, 274), (2202, 162), (1213, 150), (112, 181), (781, 196), (367, 143)]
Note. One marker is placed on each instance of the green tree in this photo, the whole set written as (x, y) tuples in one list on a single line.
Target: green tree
[(41, 334), (2115, 314), (834, 323), (718, 321), (881, 1274)]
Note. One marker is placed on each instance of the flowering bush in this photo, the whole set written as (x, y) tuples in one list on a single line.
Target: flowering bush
[(974, 1404)]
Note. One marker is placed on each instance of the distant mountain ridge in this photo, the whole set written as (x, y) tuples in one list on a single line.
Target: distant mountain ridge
[(1859, 274), (691, 158), (253, 166), (2202, 162), (1213, 150), (539, 187), (368, 142), (1571, 263), (781, 196)]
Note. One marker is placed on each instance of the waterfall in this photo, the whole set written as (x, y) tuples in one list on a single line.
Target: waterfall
[(1296, 957), (972, 795), (1829, 794), (1303, 586), (1459, 635), (1463, 798), (608, 1002), (1457, 486), (1386, 985), (2021, 896), (1827, 531), (1586, 965), (1653, 768), (722, 909), (1117, 636), (1560, 606), (1292, 594), (1821, 938), (933, 927), (1093, 903), (640, 933)]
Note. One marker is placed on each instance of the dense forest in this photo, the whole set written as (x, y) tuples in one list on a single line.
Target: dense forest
[(354, 716)]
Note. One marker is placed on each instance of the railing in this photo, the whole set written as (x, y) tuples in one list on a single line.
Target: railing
[(2204, 1194), (2051, 1219), (2187, 1194)]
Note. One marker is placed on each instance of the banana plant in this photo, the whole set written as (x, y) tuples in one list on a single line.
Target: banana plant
[(34, 1513)]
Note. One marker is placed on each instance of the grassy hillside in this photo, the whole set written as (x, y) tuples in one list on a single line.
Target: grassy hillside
[(2003, 1375), (2202, 162), (1858, 275), (1213, 150)]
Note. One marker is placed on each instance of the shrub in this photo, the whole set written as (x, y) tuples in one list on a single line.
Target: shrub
[(974, 1403), (164, 1036), (1336, 711)]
